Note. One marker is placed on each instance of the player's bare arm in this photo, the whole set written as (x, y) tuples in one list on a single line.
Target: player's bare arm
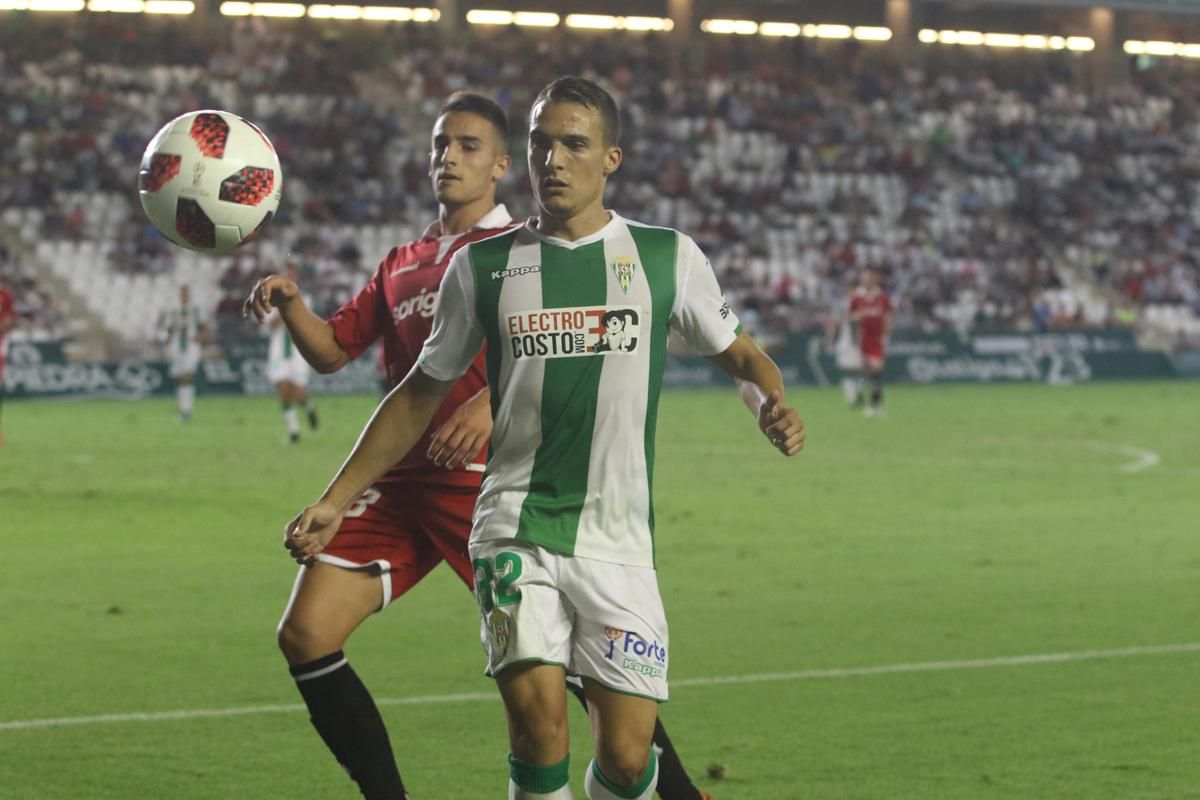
[(311, 335), (463, 435), (761, 385), (393, 429)]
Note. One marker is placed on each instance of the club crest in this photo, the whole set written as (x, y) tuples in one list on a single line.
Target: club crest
[(624, 267)]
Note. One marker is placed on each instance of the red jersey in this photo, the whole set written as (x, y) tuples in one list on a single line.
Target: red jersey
[(398, 306), (870, 308), (7, 311)]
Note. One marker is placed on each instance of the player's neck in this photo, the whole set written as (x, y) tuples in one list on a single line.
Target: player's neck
[(456, 220), (574, 228)]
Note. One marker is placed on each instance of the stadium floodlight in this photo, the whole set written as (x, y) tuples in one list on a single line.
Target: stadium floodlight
[(1033, 41), (1057, 43), (970, 38), (235, 8), (1189, 50), (321, 11), (598, 22), (56, 5), (1161, 48), (536, 19), (481, 16), (834, 32), (872, 33), (740, 27), (14, 5), (182, 7), (278, 9), (927, 36), (1082, 44), (1002, 40), (425, 15), (781, 29), (116, 6), (649, 23)]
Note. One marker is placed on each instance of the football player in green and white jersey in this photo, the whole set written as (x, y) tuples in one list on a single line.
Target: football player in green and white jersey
[(575, 307), (287, 369), (184, 330)]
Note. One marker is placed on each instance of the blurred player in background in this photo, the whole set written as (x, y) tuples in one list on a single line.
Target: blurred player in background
[(841, 334), (185, 331), (562, 544), (870, 308), (419, 513), (287, 369), (8, 321)]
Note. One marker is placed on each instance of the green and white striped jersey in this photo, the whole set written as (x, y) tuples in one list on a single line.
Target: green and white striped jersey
[(182, 326), (576, 337)]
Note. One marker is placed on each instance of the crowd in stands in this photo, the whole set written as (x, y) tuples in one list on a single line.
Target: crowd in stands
[(39, 317), (993, 197)]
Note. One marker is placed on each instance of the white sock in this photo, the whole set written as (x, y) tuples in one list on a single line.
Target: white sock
[(594, 783), (850, 389), (517, 793), (293, 422), (185, 394)]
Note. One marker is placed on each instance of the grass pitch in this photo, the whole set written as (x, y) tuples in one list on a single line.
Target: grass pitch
[(142, 573)]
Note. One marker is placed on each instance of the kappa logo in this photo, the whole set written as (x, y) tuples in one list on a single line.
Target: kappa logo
[(624, 267), (569, 332), (515, 272)]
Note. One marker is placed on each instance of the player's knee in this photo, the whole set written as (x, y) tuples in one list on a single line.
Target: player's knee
[(538, 737), (623, 762), (301, 641)]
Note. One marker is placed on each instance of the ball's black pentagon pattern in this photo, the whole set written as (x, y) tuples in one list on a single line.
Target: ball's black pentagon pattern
[(249, 186), (193, 225), (210, 132)]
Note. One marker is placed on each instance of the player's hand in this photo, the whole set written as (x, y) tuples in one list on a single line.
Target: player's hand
[(781, 425), (271, 292), (463, 435), (310, 530)]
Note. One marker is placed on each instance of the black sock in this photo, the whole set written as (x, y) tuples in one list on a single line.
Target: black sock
[(673, 780), (876, 390), (342, 711)]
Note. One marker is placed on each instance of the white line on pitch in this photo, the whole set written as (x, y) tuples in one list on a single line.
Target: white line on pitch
[(473, 697)]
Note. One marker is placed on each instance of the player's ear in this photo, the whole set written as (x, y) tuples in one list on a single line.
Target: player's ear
[(612, 160), (501, 167)]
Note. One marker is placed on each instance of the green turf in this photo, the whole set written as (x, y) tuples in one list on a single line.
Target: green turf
[(142, 572)]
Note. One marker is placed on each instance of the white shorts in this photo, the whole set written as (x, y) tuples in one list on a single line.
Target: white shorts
[(294, 370), (185, 362), (849, 358), (596, 619)]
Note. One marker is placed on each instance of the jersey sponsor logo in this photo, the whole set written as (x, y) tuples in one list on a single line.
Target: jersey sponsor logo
[(624, 267), (516, 272), (647, 658), (424, 304), (570, 332)]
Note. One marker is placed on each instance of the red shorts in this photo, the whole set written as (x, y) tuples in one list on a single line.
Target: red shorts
[(872, 352), (404, 530)]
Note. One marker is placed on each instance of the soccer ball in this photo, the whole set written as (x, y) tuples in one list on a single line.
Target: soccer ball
[(210, 181)]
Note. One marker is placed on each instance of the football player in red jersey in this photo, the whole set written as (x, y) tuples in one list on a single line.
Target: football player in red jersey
[(8, 321), (871, 310), (419, 513)]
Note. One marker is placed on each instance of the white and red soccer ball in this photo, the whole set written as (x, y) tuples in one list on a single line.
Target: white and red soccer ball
[(210, 181)]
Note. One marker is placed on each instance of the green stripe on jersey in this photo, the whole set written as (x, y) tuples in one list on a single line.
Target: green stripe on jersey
[(287, 345), (558, 483), (657, 250), (487, 257)]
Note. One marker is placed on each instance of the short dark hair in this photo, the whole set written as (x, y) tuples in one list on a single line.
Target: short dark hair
[(573, 89), (474, 103)]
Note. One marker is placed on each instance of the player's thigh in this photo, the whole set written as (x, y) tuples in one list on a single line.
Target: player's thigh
[(535, 703), (327, 604), (446, 523), (622, 728)]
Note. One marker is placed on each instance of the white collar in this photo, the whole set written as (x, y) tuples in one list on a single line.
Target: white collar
[(614, 219)]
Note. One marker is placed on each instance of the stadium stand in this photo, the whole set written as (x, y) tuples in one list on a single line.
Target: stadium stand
[(994, 198)]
